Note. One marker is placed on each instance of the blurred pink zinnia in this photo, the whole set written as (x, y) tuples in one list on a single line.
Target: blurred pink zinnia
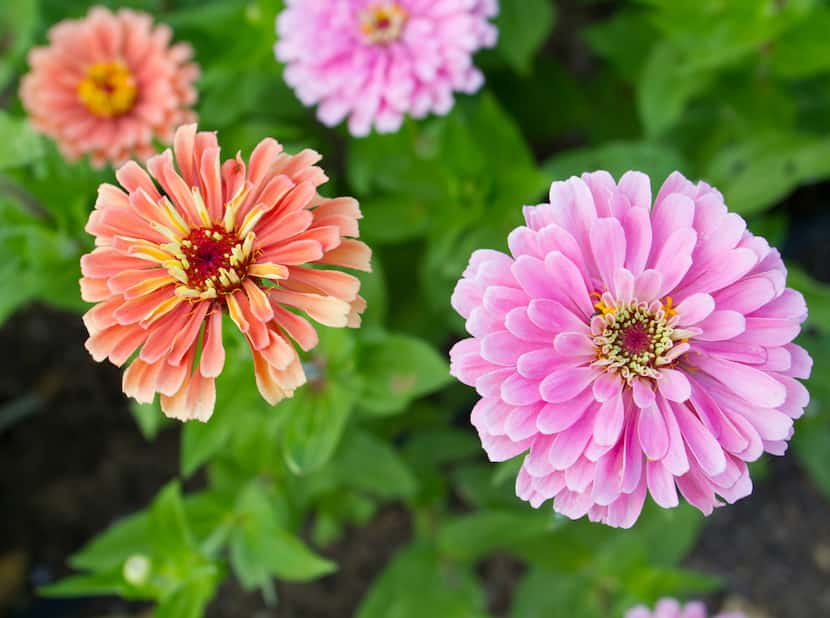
[(374, 61), (669, 608), (108, 85), (217, 239), (631, 348)]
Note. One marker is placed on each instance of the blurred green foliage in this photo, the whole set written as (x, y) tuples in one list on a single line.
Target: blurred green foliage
[(735, 92)]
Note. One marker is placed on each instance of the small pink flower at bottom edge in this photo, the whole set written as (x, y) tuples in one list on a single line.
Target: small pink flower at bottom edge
[(670, 608), (254, 242), (628, 348)]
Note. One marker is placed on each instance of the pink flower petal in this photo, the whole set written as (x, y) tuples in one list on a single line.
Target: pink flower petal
[(565, 384)]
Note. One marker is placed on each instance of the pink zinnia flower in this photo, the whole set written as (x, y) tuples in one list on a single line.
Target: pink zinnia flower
[(669, 608), (374, 61), (631, 348), (108, 85), (217, 239)]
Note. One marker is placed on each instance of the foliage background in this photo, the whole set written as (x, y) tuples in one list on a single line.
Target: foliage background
[(732, 91)]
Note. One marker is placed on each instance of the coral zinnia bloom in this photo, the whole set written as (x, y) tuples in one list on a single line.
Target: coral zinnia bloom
[(108, 85), (669, 608), (374, 61), (631, 348), (217, 239)]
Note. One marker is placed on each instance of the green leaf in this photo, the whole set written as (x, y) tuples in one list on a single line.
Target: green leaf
[(757, 173), (171, 533), (654, 159), (260, 548), (190, 600), (200, 441), (313, 424), (373, 289), (441, 446), (19, 144), (149, 418), (523, 28), (804, 51), (94, 584), (365, 462), (652, 583), (624, 40), (417, 584), (816, 293), (18, 20), (398, 369), (810, 444), (239, 406), (109, 549), (471, 537), (543, 594), (393, 218), (666, 86)]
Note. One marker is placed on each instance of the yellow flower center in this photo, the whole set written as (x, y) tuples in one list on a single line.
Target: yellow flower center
[(382, 23), (108, 90)]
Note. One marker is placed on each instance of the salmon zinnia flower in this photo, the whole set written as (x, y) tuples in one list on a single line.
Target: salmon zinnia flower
[(373, 61), (108, 85), (669, 608), (632, 348), (251, 243)]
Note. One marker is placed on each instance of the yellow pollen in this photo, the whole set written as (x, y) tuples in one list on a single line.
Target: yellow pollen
[(382, 22), (603, 308), (108, 90), (668, 307)]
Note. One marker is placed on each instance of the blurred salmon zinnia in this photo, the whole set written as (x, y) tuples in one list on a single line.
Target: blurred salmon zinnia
[(373, 61), (631, 348), (669, 608), (250, 243), (108, 85)]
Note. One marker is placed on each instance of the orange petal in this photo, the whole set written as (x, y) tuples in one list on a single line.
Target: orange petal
[(350, 254), (213, 353), (327, 310)]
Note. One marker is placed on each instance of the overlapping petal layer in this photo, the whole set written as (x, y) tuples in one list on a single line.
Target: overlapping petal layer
[(631, 349), (374, 61), (108, 85), (251, 241)]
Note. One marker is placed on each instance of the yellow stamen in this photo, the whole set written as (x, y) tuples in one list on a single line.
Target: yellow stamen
[(108, 90), (231, 209), (267, 270), (603, 308), (668, 307)]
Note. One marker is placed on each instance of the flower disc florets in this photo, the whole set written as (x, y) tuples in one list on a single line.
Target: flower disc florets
[(635, 338)]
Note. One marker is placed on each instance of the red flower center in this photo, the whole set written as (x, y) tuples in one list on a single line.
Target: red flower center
[(213, 259), (635, 339)]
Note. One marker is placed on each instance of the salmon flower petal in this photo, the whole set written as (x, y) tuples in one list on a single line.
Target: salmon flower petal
[(179, 249), (108, 85)]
